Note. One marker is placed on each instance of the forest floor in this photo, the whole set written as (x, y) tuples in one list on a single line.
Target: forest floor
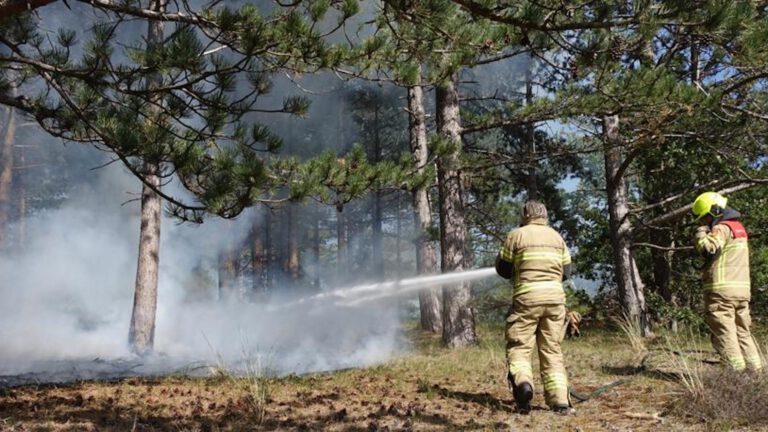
[(429, 389)]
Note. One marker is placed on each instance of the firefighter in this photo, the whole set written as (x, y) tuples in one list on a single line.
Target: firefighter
[(722, 240), (537, 259)]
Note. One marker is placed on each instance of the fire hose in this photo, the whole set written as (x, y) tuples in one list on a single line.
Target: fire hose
[(583, 397)]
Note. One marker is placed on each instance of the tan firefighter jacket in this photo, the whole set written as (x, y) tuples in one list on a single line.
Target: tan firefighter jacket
[(539, 255), (728, 272)]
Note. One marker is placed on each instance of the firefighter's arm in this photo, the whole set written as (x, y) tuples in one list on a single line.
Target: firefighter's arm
[(504, 268), (708, 242), (504, 260), (567, 264)]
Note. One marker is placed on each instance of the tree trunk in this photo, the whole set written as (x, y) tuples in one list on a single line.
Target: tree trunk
[(695, 68), (458, 316), (22, 204), (141, 336), (377, 257), (530, 135), (258, 260), (316, 249), (398, 238), (662, 264), (341, 242), (6, 176), (269, 252), (293, 257), (426, 256), (630, 285), (227, 266), (142, 333)]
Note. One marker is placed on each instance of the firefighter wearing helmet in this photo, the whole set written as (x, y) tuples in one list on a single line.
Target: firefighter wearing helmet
[(722, 240), (537, 259)]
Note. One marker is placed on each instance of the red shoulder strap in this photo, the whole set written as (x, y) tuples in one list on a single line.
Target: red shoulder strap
[(736, 228)]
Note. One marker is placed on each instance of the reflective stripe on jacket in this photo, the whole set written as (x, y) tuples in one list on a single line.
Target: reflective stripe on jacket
[(728, 273), (538, 253)]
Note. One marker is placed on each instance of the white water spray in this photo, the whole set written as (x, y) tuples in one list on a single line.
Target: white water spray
[(359, 294)]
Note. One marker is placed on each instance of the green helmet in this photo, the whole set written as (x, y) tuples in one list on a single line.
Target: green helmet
[(709, 203)]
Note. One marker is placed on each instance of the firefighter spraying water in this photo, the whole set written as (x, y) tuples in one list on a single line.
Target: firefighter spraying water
[(536, 258)]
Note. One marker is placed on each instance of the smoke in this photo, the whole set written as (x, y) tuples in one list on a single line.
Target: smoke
[(67, 295)]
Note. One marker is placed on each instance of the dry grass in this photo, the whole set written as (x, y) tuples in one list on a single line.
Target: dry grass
[(724, 399), (633, 334), (430, 389), (720, 398)]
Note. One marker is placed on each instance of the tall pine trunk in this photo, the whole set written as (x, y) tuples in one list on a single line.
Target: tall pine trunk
[(141, 336), (458, 316), (662, 268), (258, 260), (426, 256), (341, 243), (398, 237), (21, 191), (377, 256), (630, 286), (227, 265), (292, 261), (269, 251), (316, 250), (530, 137), (6, 175)]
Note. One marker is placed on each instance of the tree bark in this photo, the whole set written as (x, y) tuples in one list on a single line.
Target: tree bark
[(341, 243), (141, 336), (695, 68), (269, 251), (6, 176), (142, 333), (458, 316), (376, 222), (398, 237), (426, 257), (21, 190), (227, 266), (630, 285), (293, 257), (258, 260), (530, 136), (316, 250), (662, 264)]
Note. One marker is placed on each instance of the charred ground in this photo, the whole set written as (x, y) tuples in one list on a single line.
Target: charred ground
[(430, 389)]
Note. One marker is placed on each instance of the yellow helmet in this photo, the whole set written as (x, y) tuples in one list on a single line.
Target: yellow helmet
[(709, 203)]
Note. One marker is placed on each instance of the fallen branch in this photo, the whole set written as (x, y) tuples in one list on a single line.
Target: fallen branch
[(666, 248), (643, 416)]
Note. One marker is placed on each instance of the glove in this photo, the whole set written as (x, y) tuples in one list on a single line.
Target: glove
[(701, 232)]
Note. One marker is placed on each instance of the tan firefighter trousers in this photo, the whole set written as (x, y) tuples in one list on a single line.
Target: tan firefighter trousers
[(729, 322), (540, 325)]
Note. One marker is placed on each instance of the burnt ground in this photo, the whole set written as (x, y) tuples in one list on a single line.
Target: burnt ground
[(431, 389)]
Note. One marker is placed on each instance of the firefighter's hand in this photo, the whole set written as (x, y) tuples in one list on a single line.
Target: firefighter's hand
[(701, 232)]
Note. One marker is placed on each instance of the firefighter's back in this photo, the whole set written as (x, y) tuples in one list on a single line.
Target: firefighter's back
[(539, 256)]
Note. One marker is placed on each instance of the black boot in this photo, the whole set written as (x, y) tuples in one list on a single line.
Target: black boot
[(523, 394), (562, 409)]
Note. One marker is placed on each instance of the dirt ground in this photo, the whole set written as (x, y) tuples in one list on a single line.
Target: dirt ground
[(430, 389)]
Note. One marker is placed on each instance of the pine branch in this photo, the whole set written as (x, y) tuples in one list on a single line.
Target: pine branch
[(685, 210), (9, 8)]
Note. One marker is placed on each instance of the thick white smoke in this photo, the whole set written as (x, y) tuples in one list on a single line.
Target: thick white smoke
[(68, 296)]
